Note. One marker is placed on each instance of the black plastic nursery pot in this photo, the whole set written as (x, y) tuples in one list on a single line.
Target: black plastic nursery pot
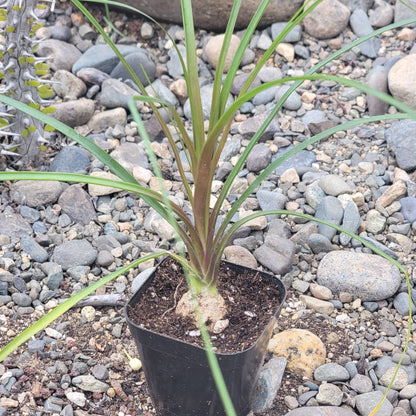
[(178, 375)]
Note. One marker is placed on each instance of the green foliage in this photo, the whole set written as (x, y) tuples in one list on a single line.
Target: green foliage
[(204, 235)]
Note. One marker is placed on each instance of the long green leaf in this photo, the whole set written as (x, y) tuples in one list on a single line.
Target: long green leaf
[(194, 92), (68, 304), (216, 93)]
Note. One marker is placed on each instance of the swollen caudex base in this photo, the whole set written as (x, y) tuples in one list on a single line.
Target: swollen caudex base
[(22, 74), (211, 307)]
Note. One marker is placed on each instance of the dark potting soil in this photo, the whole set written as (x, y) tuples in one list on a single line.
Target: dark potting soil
[(251, 302)]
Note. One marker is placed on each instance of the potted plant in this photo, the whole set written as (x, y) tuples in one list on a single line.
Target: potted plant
[(204, 233)]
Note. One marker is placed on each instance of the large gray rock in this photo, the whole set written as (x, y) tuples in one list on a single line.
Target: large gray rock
[(365, 276), (213, 14)]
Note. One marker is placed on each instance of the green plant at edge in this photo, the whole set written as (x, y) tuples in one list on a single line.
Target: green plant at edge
[(206, 234)]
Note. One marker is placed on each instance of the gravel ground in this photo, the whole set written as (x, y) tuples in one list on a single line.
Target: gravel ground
[(55, 243)]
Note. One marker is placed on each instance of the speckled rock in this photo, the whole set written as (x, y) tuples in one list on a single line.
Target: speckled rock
[(365, 276)]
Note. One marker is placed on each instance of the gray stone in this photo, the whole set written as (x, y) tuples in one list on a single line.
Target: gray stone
[(351, 221), (302, 51), (331, 372), (292, 37), (92, 75), (305, 397), (240, 80), (71, 159), (368, 277), (259, 158), (314, 195), (329, 209), (351, 368), (401, 137), (361, 26), (13, 225), (174, 64), (28, 213), (77, 204), (36, 193), (329, 395), (21, 299), (318, 243), (271, 200), (130, 155), (388, 328), (381, 15), (401, 304), (366, 402), (163, 92), (90, 383), (100, 372), (268, 384), (334, 185), (102, 57), (361, 384), (249, 127), (141, 278), (264, 41), (265, 96), (141, 64), (293, 102), (36, 345), (74, 253), (377, 79), (60, 32), (408, 208), (276, 254), (115, 93), (67, 85), (104, 258), (110, 118), (61, 55), (300, 161), (75, 112), (313, 116), (35, 251), (269, 74), (375, 222)]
